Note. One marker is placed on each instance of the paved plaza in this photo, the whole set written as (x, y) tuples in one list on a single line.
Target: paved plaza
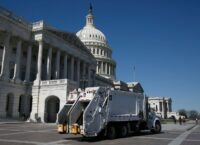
[(45, 134)]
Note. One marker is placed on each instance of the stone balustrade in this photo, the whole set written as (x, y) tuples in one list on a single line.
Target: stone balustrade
[(54, 82)]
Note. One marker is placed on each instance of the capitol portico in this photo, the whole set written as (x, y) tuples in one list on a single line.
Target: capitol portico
[(161, 105)]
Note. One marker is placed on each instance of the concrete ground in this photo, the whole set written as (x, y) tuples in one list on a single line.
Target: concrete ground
[(178, 127), (20, 133)]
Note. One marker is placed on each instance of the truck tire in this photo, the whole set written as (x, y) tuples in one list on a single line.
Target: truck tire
[(123, 131), (157, 128), (111, 132)]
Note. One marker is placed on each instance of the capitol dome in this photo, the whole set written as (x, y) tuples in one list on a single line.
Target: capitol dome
[(96, 42), (90, 33)]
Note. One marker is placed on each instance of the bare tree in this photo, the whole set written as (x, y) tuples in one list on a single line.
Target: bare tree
[(193, 114), (183, 112)]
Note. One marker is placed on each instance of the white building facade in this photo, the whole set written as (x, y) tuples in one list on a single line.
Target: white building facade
[(161, 105), (39, 65), (96, 42)]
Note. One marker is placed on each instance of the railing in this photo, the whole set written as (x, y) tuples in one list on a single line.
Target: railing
[(54, 82)]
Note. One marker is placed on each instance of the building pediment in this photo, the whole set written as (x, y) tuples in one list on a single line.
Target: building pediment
[(135, 87)]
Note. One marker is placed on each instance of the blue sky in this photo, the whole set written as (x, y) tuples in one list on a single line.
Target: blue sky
[(161, 38)]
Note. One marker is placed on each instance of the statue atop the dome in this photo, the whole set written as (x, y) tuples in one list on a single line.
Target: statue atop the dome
[(90, 9)]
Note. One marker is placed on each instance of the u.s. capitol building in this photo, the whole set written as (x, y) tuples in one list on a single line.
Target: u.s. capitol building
[(40, 64)]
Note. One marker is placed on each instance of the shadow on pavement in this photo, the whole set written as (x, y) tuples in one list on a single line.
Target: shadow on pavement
[(100, 138)]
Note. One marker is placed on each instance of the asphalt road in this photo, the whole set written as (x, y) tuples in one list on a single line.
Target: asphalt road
[(45, 134)]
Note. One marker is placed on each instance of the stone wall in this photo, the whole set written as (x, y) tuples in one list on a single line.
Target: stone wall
[(16, 90)]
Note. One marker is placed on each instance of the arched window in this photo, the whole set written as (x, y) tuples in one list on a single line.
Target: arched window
[(9, 105)]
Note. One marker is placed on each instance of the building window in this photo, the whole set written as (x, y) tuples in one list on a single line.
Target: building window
[(24, 54), (14, 50), (1, 47)]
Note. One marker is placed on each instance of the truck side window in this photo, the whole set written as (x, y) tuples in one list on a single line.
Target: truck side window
[(110, 97)]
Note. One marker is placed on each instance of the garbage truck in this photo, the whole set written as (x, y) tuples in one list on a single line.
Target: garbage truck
[(103, 111)]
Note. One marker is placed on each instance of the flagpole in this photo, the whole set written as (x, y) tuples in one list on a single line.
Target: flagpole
[(134, 74)]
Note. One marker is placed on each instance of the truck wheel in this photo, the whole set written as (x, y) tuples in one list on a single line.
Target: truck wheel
[(157, 128), (111, 132), (123, 131)]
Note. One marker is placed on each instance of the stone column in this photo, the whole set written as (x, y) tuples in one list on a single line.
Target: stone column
[(28, 64), (97, 68), (49, 60), (39, 63), (5, 58), (109, 69), (101, 67), (89, 75), (106, 68), (17, 63), (78, 72), (163, 109), (65, 66), (57, 65), (167, 106), (83, 77), (72, 68), (84, 70)]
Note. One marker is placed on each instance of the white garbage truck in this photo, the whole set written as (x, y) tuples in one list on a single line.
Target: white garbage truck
[(105, 111)]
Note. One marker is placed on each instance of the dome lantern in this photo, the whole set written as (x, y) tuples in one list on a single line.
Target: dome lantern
[(90, 17)]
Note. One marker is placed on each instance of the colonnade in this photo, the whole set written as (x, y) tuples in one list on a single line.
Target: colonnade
[(105, 68), (165, 105), (74, 73)]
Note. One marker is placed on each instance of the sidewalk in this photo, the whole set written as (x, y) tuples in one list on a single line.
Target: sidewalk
[(177, 127)]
